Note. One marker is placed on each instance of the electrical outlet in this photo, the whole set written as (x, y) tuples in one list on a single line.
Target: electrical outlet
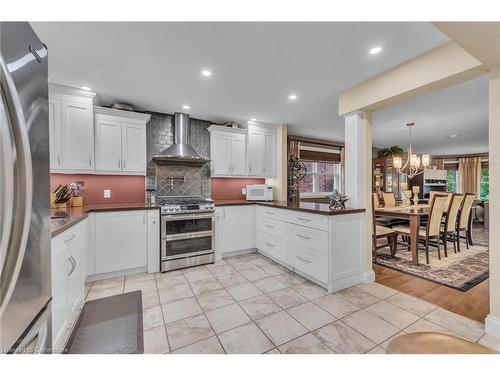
[(107, 193), (243, 191)]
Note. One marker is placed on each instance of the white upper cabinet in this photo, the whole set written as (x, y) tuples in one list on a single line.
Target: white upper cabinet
[(120, 141), (270, 150), (228, 151), (108, 145), (71, 126), (134, 147), (243, 152), (261, 152)]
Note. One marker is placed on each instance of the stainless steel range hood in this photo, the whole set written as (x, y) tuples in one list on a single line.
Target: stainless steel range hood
[(181, 151)]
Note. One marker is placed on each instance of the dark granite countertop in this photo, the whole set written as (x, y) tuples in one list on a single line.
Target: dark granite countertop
[(65, 218), (315, 208)]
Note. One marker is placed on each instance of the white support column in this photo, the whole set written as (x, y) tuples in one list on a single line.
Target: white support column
[(358, 180), (493, 318)]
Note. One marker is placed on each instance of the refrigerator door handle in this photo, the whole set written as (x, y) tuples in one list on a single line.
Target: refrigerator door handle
[(23, 188)]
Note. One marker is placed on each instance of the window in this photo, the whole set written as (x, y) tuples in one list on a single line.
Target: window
[(322, 178), (485, 184), (451, 180)]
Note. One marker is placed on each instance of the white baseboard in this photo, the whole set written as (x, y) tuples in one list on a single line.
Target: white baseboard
[(369, 277), (492, 325), (108, 275), (346, 282), (238, 252)]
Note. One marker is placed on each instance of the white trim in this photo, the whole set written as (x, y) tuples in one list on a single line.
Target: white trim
[(369, 277), (492, 325), (238, 252), (222, 128), (320, 149), (143, 117), (67, 90)]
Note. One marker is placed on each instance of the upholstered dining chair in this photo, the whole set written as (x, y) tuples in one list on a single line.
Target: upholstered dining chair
[(449, 231), (463, 219), (432, 230), (380, 231), (389, 199)]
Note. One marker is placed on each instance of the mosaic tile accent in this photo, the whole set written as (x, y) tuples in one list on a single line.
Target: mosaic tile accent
[(160, 135)]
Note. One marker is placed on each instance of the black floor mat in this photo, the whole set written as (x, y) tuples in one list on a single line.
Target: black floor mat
[(109, 325)]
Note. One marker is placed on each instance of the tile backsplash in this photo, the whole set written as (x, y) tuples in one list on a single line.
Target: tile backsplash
[(167, 179)]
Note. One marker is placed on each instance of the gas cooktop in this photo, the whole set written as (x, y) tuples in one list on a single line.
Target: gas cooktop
[(170, 206)]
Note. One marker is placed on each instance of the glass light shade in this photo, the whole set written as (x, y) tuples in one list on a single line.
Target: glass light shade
[(416, 189), (414, 160), (397, 161), (426, 160)]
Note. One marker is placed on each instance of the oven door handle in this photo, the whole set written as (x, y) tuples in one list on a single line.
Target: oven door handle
[(186, 217), (187, 236)]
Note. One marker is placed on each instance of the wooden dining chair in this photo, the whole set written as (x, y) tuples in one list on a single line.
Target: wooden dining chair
[(389, 199), (449, 231), (432, 230), (463, 220), (380, 231)]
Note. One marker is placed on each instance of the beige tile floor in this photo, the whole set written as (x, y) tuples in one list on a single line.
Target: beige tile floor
[(250, 304)]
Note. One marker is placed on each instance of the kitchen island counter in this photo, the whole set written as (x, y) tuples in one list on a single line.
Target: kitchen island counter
[(315, 208)]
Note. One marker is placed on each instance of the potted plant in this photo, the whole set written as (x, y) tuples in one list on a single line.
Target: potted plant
[(390, 152)]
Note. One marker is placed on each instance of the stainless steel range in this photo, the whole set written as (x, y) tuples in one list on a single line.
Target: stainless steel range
[(187, 233)]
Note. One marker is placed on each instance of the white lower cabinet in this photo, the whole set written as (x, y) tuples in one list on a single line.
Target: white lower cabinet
[(237, 224), (271, 246), (68, 279), (153, 241), (120, 240), (328, 250)]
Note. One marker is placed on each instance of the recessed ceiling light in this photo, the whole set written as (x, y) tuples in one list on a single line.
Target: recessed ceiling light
[(185, 106), (454, 135), (86, 88), (292, 97), (253, 119), (206, 73), (375, 50)]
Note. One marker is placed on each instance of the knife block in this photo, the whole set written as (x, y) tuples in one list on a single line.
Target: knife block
[(53, 203)]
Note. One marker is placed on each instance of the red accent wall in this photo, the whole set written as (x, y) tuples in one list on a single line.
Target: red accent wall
[(124, 189), (230, 188)]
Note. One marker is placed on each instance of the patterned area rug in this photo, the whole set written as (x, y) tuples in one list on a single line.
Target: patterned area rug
[(460, 271)]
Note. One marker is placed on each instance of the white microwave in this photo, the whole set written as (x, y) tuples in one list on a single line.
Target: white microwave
[(259, 193)]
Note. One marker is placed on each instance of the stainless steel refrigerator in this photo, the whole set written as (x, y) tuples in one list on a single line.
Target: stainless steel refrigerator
[(25, 290)]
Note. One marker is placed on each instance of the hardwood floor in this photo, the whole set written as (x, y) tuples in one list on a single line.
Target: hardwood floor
[(474, 303)]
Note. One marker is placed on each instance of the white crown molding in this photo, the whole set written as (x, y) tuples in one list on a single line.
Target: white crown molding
[(67, 90), (222, 128), (121, 113)]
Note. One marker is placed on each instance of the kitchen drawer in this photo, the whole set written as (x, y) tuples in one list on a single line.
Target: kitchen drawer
[(307, 220), (307, 237), (272, 213), (309, 262), (272, 227), (271, 246)]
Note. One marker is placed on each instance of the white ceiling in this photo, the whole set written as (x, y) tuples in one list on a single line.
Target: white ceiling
[(255, 66), (461, 109)]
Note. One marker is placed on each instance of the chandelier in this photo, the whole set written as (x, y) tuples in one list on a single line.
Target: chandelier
[(413, 161)]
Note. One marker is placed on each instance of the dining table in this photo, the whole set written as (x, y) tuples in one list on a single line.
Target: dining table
[(413, 214)]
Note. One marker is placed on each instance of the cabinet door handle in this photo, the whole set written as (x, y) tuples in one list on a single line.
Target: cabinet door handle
[(124, 163), (119, 163), (73, 265), (304, 260), (90, 160), (143, 219), (302, 236), (268, 244), (270, 226), (249, 169), (303, 219), (59, 159), (269, 213), (70, 239)]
